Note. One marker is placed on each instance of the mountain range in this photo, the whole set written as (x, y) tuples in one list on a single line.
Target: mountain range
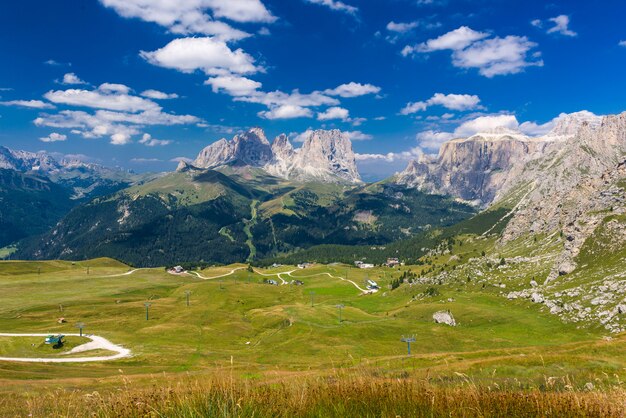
[(540, 217), (247, 199)]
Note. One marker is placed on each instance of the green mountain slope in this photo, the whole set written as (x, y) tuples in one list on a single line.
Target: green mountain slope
[(237, 214), (29, 205)]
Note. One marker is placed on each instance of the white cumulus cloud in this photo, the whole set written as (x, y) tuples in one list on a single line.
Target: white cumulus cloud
[(286, 112), (32, 104), (233, 85), (561, 25), (353, 89), (336, 5), (460, 102), (148, 141), (107, 96), (490, 55), (402, 27), (158, 95), (334, 113), (71, 78), (195, 16), (53, 137), (211, 55)]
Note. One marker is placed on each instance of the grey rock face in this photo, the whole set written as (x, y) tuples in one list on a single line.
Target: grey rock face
[(485, 166), (250, 148), (444, 317), (324, 156)]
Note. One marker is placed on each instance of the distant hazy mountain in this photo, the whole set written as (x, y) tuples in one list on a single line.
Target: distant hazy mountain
[(30, 204), (84, 180), (37, 190)]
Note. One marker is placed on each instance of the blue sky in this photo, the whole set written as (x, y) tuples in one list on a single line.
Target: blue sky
[(138, 83)]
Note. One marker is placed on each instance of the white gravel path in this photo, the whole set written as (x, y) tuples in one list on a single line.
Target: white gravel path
[(215, 277), (95, 344)]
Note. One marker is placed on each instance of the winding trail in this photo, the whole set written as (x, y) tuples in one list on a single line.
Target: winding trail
[(128, 273), (279, 275), (96, 343), (331, 276), (195, 273)]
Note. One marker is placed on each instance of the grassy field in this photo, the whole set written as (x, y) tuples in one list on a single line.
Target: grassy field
[(259, 334)]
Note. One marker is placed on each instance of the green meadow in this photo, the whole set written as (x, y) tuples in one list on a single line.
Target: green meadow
[(240, 326)]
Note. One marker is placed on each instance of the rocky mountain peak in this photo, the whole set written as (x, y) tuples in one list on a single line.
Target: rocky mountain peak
[(248, 148), (568, 124), (324, 155), (282, 145)]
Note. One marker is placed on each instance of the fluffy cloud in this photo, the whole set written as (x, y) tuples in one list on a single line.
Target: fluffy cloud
[(286, 112), (158, 95), (358, 136), (401, 27), (391, 157), (352, 135), (471, 49), (353, 89), (455, 40), (334, 113), (535, 129), (119, 126), (211, 55), (460, 102), (485, 123), (432, 140), (120, 138), (240, 10), (107, 96), (497, 56), (234, 85), (561, 25), (53, 137), (71, 78), (336, 5), (622, 43), (192, 17), (148, 141), (32, 104), (295, 98)]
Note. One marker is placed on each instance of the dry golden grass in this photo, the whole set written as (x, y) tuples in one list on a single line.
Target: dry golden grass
[(340, 395)]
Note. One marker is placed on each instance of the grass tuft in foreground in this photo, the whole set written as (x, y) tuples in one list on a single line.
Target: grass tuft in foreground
[(335, 396)]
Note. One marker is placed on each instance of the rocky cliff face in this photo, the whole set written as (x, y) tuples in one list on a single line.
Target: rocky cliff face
[(250, 148), (473, 169), (324, 156), (565, 183), (572, 188), (483, 167)]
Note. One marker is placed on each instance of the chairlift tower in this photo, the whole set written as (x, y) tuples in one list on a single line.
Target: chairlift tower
[(187, 294), (408, 340), (147, 305), (340, 307), (312, 293), (80, 326)]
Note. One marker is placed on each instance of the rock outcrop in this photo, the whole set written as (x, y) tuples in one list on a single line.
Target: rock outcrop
[(565, 182), (444, 317), (324, 156)]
